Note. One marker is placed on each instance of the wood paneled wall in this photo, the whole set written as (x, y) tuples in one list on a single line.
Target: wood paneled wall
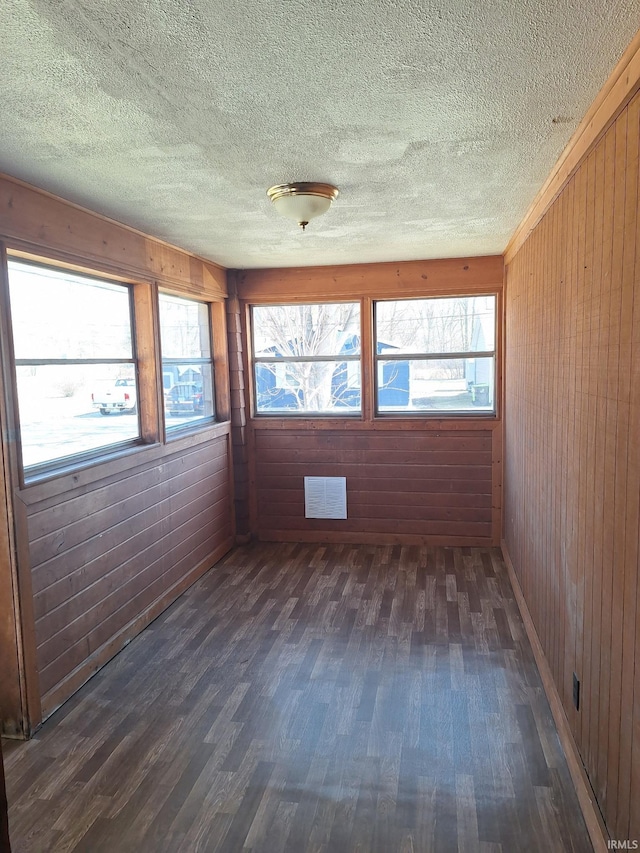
[(13, 704), (88, 558), (239, 428), (417, 485), (5, 844), (572, 455), (107, 560), (38, 222), (409, 479)]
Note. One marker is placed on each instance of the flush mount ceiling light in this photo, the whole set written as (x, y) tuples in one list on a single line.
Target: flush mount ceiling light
[(302, 202)]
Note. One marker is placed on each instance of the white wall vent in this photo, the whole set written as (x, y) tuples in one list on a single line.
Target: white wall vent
[(325, 497)]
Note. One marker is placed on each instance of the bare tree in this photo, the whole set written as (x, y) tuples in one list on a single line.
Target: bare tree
[(302, 346), (305, 349)]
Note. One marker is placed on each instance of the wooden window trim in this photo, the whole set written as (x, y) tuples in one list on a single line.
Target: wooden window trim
[(436, 356), (27, 477), (94, 465), (252, 361), (219, 364), (368, 417)]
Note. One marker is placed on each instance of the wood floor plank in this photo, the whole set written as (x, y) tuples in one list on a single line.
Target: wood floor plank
[(304, 698)]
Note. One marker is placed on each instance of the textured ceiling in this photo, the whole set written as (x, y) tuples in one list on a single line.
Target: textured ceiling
[(438, 121)]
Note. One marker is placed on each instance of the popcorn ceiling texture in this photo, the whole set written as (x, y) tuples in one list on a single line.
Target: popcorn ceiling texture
[(438, 121)]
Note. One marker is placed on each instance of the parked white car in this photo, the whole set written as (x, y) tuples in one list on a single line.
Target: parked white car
[(120, 397)]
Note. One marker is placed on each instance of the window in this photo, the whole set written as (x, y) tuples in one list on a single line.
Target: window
[(436, 355), (74, 357), (307, 358), (187, 365)]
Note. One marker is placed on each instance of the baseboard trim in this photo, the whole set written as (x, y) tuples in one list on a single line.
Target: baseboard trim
[(336, 537), (590, 811)]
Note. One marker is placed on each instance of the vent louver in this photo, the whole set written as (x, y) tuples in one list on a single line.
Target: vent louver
[(325, 497)]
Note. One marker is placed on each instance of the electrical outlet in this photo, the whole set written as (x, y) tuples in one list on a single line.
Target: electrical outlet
[(576, 692)]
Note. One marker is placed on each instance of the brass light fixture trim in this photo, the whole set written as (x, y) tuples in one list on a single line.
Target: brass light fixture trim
[(302, 201)]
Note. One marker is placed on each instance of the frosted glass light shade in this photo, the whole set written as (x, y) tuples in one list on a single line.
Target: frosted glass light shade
[(302, 202)]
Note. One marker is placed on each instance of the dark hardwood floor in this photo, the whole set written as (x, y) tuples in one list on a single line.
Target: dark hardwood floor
[(310, 698)]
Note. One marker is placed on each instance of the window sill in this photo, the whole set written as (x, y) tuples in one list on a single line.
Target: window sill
[(429, 422), (69, 477)]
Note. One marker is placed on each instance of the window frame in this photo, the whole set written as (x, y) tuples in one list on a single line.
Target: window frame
[(32, 474), (380, 358), (369, 413), (143, 285), (173, 431), (347, 413)]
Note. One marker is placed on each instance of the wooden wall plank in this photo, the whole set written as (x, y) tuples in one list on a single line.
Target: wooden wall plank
[(5, 843), (387, 280), (220, 352), (13, 708), (340, 467), (634, 794), (147, 347), (44, 224), (238, 410), (566, 532), (20, 710), (588, 461), (13, 704), (440, 441), (48, 548), (598, 359), (554, 437), (65, 688), (102, 548), (370, 497), (614, 202), (630, 363), (621, 85), (440, 459), (393, 532), (405, 483), (59, 659), (99, 561), (87, 578), (572, 455), (119, 497)]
